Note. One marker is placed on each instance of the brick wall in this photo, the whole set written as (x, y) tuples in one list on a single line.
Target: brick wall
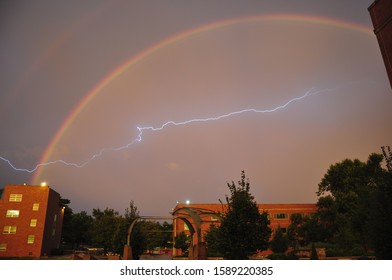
[(32, 224)]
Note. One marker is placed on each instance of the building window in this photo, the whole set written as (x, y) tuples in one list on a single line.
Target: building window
[(12, 214), (16, 197), (281, 216), (3, 247), (9, 230), (186, 226), (35, 206), (33, 222), (213, 218), (30, 239)]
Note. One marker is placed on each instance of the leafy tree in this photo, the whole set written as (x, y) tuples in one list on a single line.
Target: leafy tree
[(182, 241), (105, 224), (345, 194), (304, 230), (279, 243), (110, 230), (212, 239), (79, 229), (243, 229), (294, 231), (153, 234), (327, 213), (167, 232), (381, 215), (138, 242)]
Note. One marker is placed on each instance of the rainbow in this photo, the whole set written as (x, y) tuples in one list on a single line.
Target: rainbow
[(122, 68)]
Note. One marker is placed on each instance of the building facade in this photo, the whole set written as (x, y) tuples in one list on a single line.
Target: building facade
[(381, 15), (31, 220), (201, 216)]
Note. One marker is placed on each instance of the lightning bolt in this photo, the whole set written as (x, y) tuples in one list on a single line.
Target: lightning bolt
[(141, 130)]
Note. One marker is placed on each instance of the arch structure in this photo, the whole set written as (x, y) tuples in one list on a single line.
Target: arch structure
[(193, 217), (143, 218), (127, 253)]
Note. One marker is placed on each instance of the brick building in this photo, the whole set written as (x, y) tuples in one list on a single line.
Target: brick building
[(381, 15), (30, 221), (278, 214)]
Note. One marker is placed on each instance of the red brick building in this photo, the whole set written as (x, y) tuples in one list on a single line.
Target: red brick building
[(279, 216), (381, 15), (30, 221)]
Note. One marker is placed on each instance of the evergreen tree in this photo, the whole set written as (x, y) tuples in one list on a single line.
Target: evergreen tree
[(182, 241), (138, 241), (279, 243), (243, 230), (212, 239)]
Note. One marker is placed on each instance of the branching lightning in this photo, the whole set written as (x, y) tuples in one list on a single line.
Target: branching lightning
[(141, 130)]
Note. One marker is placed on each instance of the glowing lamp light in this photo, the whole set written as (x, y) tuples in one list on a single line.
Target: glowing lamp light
[(187, 202), (43, 184)]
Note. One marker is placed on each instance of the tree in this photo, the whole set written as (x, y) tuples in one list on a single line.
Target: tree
[(294, 231), (304, 230), (110, 230), (243, 230), (138, 242), (345, 194), (211, 238), (79, 229), (104, 226), (167, 232), (182, 241), (279, 243), (382, 213), (153, 234)]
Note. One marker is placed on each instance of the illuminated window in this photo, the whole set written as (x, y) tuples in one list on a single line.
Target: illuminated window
[(3, 247), (186, 226), (16, 197), (33, 222), (35, 206), (213, 218), (30, 239), (9, 230), (281, 216), (12, 213)]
